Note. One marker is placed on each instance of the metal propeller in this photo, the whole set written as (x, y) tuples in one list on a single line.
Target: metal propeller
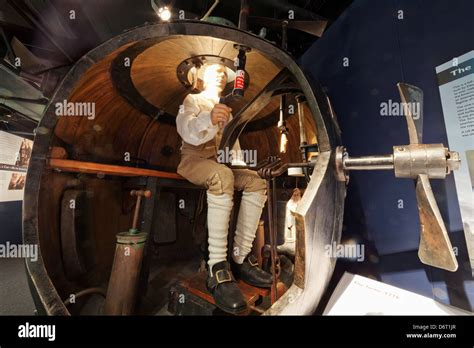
[(435, 247), (420, 162)]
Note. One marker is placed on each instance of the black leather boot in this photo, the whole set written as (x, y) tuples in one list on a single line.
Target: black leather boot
[(251, 273), (224, 289)]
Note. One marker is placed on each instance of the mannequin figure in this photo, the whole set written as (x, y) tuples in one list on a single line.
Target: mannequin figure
[(200, 124)]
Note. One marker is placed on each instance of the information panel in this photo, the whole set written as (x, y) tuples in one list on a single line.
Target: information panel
[(456, 87), (15, 154)]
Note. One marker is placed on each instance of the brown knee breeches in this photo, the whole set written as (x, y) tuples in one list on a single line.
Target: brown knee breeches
[(217, 177)]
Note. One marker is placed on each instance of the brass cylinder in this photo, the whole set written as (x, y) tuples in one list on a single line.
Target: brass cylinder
[(123, 283), (414, 159)]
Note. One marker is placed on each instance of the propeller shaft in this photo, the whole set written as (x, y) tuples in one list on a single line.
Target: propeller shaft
[(408, 161)]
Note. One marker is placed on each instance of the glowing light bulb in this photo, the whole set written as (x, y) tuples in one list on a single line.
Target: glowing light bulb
[(164, 13), (283, 142)]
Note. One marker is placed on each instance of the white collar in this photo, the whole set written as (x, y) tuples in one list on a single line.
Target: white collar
[(210, 96)]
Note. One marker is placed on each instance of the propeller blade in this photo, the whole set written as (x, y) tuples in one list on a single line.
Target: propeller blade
[(412, 97), (29, 62), (314, 27), (435, 247), (266, 21)]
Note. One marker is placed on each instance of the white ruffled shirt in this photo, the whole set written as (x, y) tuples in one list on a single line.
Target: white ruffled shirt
[(194, 124), (194, 119)]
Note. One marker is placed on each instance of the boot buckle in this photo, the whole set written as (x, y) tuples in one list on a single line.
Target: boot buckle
[(223, 276), (252, 260)]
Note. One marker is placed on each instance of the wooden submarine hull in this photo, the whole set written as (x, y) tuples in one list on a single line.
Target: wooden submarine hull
[(131, 79)]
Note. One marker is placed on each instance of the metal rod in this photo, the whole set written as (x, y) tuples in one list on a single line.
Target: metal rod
[(139, 194), (282, 109), (285, 6), (283, 168), (274, 244), (284, 35), (281, 124), (271, 229), (300, 100), (383, 162), (244, 13), (137, 212), (259, 243), (208, 13), (299, 165), (84, 292)]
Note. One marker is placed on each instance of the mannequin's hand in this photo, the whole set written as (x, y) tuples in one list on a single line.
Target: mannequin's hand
[(220, 113)]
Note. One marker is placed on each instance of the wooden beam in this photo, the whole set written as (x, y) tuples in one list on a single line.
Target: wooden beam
[(107, 169)]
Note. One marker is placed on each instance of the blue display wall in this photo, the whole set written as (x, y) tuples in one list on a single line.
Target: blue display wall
[(359, 61)]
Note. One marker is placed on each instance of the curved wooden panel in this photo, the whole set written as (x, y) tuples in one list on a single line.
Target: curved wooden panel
[(154, 71), (118, 129)]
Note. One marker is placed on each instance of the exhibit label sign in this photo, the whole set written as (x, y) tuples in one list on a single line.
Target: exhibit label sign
[(15, 155), (358, 295), (456, 87)]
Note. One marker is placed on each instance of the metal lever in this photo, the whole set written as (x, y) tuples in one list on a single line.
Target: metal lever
[(269, 170), (139, 194), (420, 162), (265, 172)]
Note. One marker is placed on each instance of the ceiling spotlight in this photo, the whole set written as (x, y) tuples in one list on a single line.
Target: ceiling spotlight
[(164, 13), (162, 9)]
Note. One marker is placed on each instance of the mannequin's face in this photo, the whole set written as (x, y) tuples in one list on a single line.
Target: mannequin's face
[(215, 77)]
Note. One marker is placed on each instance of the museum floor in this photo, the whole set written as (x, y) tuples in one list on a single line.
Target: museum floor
[(15, 297)]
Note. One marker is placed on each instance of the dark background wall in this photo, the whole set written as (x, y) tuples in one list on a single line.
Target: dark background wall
[(10, 222), (383, 50)]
